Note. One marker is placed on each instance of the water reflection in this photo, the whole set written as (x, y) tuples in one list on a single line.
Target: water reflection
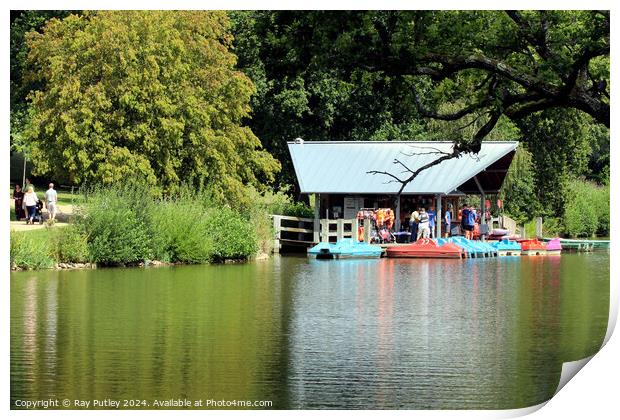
[(308, 334)]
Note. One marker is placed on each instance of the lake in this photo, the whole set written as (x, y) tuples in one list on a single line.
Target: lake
[(415, 334)]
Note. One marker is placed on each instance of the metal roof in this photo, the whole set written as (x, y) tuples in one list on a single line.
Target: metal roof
[(340, 167)]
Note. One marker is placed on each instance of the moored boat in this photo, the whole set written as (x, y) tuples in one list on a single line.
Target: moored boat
[(344, 248), (506, 247), (532, 247), (425, 248), (350, 248), (554, 247), (323, 251)]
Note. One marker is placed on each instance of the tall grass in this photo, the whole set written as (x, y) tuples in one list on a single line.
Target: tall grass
[(128, 224), (30, 250)]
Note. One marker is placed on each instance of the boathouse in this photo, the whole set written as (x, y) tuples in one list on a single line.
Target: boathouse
[(337, 174)]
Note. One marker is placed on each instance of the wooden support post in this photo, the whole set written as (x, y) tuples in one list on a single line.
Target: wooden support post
[(276, 228), (482, 203), (325, 230), (339, 229), (397, 214), (317, 218), (438, 216), (539, 227), (367, 231)]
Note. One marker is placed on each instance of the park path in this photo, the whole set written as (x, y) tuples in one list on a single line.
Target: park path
[(64, 211)]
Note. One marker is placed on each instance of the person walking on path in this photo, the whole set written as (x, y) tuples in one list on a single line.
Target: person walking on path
[(18, 196), (432, 219), (51, 198), (30, 204), (413, 225), (423, 226), (27, 185), (448, 221)]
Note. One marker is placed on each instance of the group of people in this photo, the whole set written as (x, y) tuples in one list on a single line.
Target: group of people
[(27, 203), (422, 223)]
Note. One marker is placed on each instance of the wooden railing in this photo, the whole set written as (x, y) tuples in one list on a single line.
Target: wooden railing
[(334, 230), (301, 231), (293, 231)]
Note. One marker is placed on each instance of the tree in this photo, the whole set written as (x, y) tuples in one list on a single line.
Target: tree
[(23, 22), (519, 189), (561, 144), (458, 75), (512, 64), (149, 95)]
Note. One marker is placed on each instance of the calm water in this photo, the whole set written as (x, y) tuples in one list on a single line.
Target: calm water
[(311, 334)]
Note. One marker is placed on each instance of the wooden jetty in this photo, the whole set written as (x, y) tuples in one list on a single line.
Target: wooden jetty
[(582, 245)]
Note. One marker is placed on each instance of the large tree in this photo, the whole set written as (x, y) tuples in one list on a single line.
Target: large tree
[(457, 75), (152, 95)]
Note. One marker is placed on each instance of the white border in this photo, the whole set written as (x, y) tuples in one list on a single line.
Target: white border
[(593, 394)]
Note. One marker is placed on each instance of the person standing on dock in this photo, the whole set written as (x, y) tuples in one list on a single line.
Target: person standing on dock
[(423, 226), (470, 220), (447, 221), (413, 225), (432, 219)]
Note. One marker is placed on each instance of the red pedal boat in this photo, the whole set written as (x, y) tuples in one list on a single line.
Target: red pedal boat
[(532, 247), (425, 248)]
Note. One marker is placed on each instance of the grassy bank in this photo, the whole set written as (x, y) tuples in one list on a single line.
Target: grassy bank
[(126, 226)]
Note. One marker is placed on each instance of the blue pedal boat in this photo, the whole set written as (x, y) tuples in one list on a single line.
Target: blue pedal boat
[(345, 248), (506, 247)]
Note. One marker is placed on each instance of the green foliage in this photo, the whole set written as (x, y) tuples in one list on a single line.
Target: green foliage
[(30, 251), (518, 191), (562, 144), (354, 75), (125, 224), (113, 220), (179, 230), (552, 227), (151, 95), (22, 22), (69, 245), (581, 215), (230, 236)]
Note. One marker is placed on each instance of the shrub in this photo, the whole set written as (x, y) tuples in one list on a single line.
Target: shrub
[(69, 245), (180, 231), (580, 215), (552, 227), (231, 236), (114, 222), (30, 251), (602, 208)]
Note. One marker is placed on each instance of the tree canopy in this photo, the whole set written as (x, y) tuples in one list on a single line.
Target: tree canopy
[(161, 95), (152, 95), (451, 75)]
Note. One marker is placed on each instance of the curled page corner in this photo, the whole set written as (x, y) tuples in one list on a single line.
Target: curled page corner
[(570, 369)]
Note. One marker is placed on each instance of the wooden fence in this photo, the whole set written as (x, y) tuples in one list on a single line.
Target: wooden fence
[(305, 232)]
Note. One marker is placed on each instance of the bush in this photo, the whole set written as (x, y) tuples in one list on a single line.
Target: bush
[(69, 245), (114, 222), (231, 236), (30, 251), (552, 227), (602, 208), (580, 213), (180, 231)]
